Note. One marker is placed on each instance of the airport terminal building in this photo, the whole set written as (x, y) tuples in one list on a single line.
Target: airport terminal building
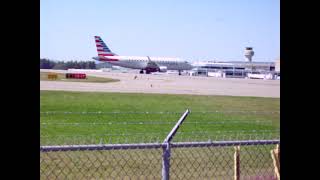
[(237, 69)]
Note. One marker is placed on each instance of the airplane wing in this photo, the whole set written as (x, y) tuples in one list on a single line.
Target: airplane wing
[(151, 64)]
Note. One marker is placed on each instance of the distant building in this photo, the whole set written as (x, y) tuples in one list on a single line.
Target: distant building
[(232, 68)]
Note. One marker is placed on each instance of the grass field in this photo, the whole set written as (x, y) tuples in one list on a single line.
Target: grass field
[(62, 77), (82, 118), (91, 118)]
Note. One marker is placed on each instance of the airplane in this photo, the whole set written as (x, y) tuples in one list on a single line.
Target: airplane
[(144, 63)]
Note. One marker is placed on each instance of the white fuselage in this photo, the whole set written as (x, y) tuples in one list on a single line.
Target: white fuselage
[(141, 62)]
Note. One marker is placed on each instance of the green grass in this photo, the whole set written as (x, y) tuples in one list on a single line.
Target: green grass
[(229, 117), (62, 77)]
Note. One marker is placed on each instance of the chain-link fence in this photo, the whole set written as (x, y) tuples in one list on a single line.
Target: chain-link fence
[(189, 160), (138, 146)]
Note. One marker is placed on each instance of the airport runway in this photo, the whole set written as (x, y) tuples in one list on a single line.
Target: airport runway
[(170, 84)]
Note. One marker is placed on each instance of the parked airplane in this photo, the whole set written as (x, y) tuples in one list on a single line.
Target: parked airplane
[(144, 63)]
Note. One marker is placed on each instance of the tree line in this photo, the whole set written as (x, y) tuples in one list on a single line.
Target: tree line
[(64, 65)]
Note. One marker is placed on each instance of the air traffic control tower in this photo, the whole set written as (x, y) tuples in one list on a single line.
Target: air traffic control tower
[(248, 53)]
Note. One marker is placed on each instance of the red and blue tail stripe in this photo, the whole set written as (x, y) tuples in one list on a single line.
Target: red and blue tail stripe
[(102, 48)]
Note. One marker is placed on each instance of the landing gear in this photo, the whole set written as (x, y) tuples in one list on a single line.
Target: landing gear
[(147, 71), (179, 72)]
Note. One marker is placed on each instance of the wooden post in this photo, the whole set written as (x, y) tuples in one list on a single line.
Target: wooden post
[(275, 154), (237, 163)]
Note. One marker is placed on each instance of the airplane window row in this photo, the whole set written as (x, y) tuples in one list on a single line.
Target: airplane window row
[(135, 60), (165, 62)]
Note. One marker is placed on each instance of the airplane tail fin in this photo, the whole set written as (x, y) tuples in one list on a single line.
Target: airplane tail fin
[(102, 48)]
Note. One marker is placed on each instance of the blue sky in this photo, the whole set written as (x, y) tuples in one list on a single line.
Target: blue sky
[(189, 29)]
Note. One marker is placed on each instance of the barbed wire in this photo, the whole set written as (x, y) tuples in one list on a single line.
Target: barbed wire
[(156, 112), (188, 132), (155, 137), (122, 129), (157, 122)]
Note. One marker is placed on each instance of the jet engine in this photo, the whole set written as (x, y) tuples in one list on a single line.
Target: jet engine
[(163, 68)]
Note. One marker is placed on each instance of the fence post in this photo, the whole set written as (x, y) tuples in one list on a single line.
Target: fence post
[(275, 154), (237, 163), (166, 162), (166, 147)]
